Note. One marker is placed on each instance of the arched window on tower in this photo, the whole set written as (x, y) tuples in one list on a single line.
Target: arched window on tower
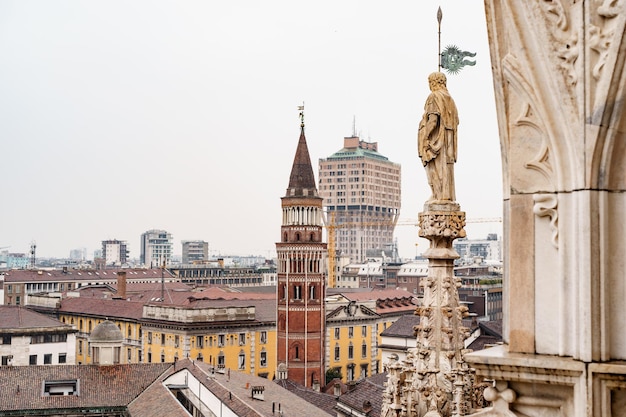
[(297, 237), (285, 237), (296, 352)]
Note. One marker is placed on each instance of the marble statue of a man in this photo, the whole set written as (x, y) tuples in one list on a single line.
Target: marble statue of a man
[(437, 139)]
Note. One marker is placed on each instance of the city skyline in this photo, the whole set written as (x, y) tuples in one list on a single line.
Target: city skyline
[(117, 119)]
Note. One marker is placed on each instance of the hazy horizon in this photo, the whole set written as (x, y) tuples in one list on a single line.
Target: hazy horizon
[(120, 117)]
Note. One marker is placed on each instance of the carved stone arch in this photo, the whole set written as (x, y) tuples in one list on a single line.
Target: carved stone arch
[(531, 142), (609, 155)]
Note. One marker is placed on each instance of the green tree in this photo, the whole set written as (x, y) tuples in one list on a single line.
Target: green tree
[(333, 373)]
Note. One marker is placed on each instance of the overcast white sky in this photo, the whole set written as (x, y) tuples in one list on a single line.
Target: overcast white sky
[(121, 116)]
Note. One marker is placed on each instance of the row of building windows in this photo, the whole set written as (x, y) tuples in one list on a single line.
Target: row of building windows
[(351, 331), (297, 292), (33, 359), (48, 338), (220, 341), (350, 351), (39, 338)]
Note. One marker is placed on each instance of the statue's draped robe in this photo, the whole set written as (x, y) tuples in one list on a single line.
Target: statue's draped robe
[(437, 143)]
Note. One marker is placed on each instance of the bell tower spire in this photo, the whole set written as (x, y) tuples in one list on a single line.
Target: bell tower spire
[(301, 275)]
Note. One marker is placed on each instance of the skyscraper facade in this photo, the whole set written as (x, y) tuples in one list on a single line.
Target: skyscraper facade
[(156, 248), (301, 277), (361, 191)]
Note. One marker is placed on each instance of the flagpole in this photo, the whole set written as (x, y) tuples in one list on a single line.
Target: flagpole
[(439, 17)]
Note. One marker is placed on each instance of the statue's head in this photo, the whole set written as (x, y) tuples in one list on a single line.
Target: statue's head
[(437, 80)]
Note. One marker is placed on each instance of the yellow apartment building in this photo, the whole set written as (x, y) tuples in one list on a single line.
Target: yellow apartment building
[(237, 334), (86, 313), (229, 334), (354, 322)]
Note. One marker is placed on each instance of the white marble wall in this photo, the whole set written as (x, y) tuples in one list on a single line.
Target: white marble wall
[(560, 85)]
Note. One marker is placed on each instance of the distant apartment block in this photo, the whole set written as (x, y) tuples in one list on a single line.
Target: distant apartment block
[(156, 248), (78, 254), (115, 252), (195, 251), (14, 260), (489, 249), (361, 191), (30, 338)]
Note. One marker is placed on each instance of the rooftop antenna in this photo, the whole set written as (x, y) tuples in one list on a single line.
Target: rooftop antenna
[(353, 126)]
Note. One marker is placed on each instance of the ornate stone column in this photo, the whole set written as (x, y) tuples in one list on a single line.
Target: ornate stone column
[(560, 81), (434, 380)]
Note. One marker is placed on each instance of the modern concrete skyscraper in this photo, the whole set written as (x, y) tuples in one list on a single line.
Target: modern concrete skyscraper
[(301, 277), (156, 248), (361, 191), (195, 250)]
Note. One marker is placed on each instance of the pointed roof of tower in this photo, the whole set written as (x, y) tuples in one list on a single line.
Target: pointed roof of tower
[(302, 179)]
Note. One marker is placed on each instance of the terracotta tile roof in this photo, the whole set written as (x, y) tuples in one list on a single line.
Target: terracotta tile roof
[(483, 341), (139, 390), (220, 293), (403, 327), (321, 400), (157, 400), (301, 177), (491, 328), (234, 390), (110, 308), (175, 292), (17, 317), (28, 275), (377, 294), (366, 390), (99, 386), (490, 334), (265, 310)]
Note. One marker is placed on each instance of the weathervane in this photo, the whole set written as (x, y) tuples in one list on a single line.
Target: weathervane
[(301, 109), (452, 59)]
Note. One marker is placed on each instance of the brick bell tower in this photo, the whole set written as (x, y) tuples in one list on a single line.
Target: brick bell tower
[(301, 276)]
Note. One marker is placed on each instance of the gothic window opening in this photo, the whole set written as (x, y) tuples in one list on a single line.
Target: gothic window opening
[(296, 352)]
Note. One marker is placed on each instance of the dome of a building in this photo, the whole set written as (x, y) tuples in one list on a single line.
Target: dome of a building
[(107, 331)]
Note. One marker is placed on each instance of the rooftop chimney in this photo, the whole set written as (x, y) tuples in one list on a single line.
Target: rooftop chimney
[(121, 284)]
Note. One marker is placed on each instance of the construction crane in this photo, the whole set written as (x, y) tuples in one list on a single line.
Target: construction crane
[(414, 222), (331, 228)]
